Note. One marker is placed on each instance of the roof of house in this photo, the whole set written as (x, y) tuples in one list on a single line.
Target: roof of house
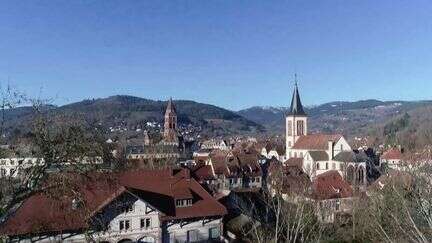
[(294, 162), (203, 172), (295, 180), (330, 185), (393, 154), (351, 156), (319, 155), (44, 212), (316, 141)]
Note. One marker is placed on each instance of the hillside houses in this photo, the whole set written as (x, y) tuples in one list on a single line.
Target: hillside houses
[(225, 171)]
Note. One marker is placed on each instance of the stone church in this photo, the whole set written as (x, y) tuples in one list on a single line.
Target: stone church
[(172, 145)]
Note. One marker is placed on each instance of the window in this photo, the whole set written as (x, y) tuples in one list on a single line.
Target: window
[(214, 233), (192, 235), (326, 166), (300, 128), (334, 166), (127, 208), (124, 224), (337, 206), (145, 223), (317, 166), (295, 154), (2, 172), (290, 128), (257, 179), (183, 202), (341, 147)]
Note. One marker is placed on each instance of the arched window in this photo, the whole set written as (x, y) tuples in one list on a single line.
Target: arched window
[(350, 174), (360, 174), (300, 128), (290, 128)]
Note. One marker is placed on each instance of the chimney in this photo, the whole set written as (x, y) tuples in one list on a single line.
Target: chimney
[(330, 149)]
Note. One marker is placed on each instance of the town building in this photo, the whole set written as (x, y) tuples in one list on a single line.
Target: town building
[(223, 171), (220, 144), (392, 159), (172, 145), (273, 149), (333, 196), (318, 153), (135, 206)]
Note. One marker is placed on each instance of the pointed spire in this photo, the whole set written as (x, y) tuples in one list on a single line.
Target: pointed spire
[(170, 107), (296, 108)]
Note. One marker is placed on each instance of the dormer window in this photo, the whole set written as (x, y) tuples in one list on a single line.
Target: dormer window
[(183, 202), (127, 208)]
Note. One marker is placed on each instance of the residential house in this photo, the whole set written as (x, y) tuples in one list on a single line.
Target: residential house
[(332, 194), (134, 206), (392, 159)]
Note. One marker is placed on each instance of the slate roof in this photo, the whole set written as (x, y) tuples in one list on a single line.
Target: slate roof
[(160, 188), (296, 108), (351, 156), (319, 155), (316, 141)]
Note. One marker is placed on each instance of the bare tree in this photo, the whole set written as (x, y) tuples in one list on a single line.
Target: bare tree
[(60, 142)]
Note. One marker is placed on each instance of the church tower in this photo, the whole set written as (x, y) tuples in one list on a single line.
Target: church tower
[(170, 125), (296, 120)]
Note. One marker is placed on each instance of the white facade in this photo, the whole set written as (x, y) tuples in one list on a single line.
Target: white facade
[(394, 164), (215, 144), (140, 222), (296, 126)]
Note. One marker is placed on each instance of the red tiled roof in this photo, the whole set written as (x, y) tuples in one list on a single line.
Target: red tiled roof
[(45, 213), (204, 172), (316, 141), (392, 154), (331, 185)]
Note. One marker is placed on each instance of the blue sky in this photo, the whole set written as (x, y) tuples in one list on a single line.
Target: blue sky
[(234, 54)]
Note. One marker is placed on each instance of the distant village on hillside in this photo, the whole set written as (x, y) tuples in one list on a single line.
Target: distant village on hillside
[(172, 185)]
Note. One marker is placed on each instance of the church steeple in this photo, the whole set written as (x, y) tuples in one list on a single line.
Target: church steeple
[(296, 108), (170, 125), (296, 121), (170, 108)]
